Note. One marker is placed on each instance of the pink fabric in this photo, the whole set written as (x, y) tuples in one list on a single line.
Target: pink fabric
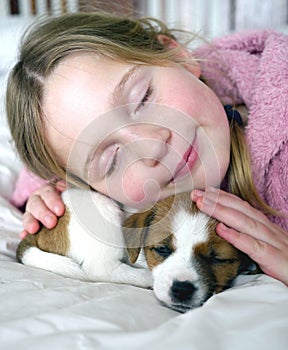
[(26, 183), (252, 68)]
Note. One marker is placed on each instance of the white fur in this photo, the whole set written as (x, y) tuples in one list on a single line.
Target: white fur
[(97, 251), (180, 265)]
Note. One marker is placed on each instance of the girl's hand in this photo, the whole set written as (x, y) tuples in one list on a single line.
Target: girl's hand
[(44, 206), (247, 229)]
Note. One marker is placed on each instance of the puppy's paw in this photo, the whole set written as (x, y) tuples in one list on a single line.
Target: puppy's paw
[(58, 264)]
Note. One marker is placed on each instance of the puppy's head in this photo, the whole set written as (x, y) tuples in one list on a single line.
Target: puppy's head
[(189, 261)]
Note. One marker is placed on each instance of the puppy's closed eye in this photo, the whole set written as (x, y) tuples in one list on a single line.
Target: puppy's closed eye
[(163, 250), (214, 259)]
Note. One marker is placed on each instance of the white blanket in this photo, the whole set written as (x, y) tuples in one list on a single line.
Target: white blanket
[(40, 310)]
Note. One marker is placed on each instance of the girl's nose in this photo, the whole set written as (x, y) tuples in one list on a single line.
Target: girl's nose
[(147, 142)]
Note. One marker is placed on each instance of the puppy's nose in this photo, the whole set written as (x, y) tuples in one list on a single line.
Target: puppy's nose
[(181, 291)]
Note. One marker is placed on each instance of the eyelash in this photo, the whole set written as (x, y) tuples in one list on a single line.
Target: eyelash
[(113, 164), (145, 98)]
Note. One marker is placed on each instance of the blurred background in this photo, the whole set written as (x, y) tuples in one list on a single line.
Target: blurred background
[(209, 18), (212, 17)]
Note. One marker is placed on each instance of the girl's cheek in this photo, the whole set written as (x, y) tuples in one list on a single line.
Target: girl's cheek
[(133, 191), (139, 193)]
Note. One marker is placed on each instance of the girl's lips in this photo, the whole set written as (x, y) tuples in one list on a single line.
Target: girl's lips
[(187, 162)]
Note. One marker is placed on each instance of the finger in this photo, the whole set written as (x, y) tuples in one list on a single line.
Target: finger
[(50, 197), (272, 261), (23, 234), (30, 224), (232, 201), (61, 185), (242, 222), (253, 247), (37, 210)]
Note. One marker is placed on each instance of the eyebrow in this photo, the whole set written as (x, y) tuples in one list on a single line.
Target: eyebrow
[(118, 91)]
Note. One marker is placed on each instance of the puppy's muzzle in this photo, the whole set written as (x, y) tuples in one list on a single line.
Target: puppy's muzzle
[(182, 291)]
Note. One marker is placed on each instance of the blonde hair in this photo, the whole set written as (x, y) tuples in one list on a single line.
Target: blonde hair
[(240, 178), (116, 38), (49, 42)]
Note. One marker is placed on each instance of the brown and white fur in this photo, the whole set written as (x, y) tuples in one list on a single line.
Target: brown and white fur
[(189, 261), (87, 243)]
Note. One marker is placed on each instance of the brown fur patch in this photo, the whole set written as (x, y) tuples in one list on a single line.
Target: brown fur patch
[(55, 240), (219, 257), (148, 228), (134, 231), (152, 257)]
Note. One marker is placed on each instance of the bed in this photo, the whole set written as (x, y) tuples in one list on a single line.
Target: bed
[(41, 310)]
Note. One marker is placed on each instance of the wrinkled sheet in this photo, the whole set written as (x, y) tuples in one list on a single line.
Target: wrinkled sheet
[(40, 310)]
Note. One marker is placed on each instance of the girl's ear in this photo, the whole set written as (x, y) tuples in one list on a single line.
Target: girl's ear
[(192, 65)]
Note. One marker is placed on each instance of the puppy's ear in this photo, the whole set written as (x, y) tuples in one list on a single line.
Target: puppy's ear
[(135, 229), (133, 254)]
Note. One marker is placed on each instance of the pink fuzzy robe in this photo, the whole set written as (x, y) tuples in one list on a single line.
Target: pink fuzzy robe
[(250, 68)]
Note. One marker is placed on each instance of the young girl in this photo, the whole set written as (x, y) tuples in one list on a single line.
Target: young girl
[(119, 105)]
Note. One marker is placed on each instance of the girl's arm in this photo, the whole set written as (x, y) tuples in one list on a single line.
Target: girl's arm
[(248, 230)]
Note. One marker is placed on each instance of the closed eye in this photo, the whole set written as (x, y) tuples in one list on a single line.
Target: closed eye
[(114, 163), (145, 98), (213, 259), (221, 261), (162, 250)]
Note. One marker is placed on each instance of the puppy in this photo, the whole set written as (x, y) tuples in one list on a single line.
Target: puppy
[(87, 243), (189, 261)]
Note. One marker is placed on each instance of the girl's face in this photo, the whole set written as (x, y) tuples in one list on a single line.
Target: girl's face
[(135, 133)]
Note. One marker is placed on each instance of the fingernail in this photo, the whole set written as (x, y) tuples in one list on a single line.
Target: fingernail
[(57, 210), (223, 227), (23, 235), (199, 193), (208, 202), (212, 189)]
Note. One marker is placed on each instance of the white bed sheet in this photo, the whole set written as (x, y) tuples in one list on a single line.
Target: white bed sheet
[(40, 310)]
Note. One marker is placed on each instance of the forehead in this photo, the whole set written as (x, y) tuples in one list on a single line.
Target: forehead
[(75, 94), (195, 233), (189, 229), (180, 217), (79, 87)]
